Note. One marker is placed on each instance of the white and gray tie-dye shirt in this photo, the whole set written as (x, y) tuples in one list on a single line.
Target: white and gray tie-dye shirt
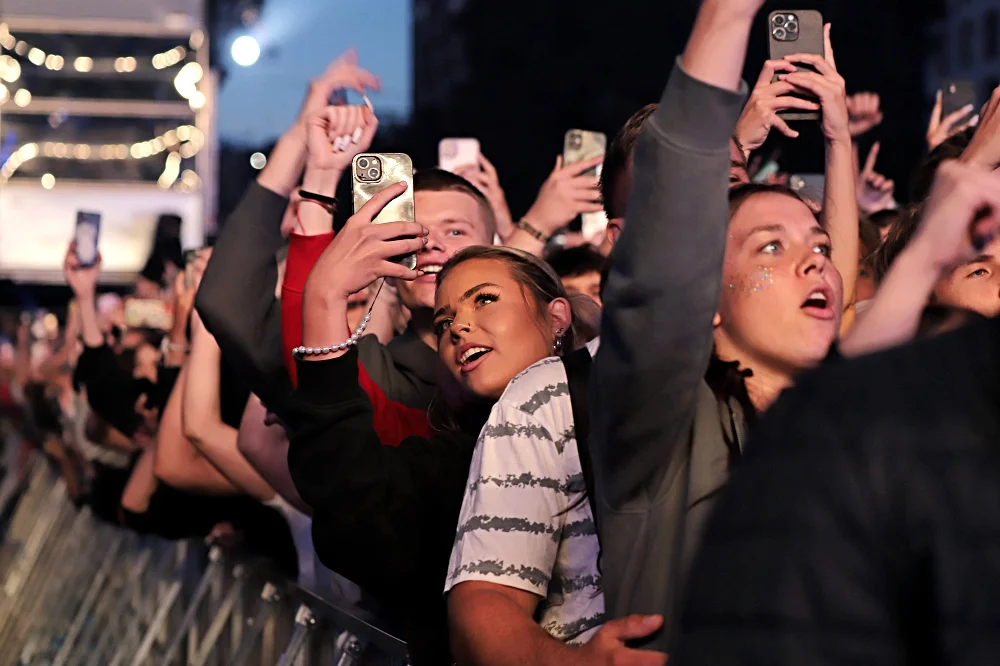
[(517, 528)]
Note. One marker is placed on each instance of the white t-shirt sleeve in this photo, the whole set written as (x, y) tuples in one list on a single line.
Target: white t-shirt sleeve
[(514, 508)]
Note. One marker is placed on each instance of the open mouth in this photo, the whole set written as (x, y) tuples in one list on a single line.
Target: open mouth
[(472, 357), (819, 304)]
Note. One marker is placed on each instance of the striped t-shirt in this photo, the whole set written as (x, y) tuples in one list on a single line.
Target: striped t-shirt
[(516, 527)]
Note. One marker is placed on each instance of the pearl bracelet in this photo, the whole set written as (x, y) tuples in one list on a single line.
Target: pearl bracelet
[(301, 352)]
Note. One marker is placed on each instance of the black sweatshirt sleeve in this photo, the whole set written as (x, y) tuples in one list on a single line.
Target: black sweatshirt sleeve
[(236, 297), (384, 517), (111, 390)]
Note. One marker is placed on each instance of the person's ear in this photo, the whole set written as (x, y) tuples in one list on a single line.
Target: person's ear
[(717, 320), (614, 230), (560, 316)]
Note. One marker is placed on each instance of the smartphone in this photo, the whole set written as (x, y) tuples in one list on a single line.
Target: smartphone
[(792, 31), (580, 145), (148, 313), (454, 154), (88, 229), (955, 95), (373, 172), (189, 258)]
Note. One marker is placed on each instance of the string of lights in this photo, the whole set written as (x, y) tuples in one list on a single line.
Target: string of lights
[(121, 64), (183, 142), (186, 82)]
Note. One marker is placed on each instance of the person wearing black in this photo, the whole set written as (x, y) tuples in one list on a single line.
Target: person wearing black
[(861, 527)]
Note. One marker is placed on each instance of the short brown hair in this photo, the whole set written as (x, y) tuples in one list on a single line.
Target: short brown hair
[(439, 180), (618, 161)]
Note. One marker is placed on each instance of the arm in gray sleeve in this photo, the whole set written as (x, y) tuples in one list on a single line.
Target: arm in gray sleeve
[(663, 289), (236, 297)]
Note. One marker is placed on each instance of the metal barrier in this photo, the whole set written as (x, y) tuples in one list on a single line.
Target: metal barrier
[(79, 592)]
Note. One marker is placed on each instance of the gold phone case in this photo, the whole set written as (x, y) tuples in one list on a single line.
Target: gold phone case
[(580, 145), (373, 172)]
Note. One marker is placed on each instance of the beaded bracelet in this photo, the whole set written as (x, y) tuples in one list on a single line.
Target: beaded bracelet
[(302, 352)]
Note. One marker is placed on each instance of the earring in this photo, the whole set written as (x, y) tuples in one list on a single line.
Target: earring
[(557, 345)]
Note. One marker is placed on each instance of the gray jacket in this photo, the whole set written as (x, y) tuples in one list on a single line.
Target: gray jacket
[(660, 438)]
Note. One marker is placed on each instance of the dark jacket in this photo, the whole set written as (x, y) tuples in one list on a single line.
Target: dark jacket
[(384, 517), (862, 526), (662, 441), (236, 296)]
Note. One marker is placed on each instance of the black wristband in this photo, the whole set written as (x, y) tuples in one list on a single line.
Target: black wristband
[(330, 203)]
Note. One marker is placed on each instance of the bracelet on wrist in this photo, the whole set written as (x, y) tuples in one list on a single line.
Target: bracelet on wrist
[(302, 352), (167, 346), (329, 203), (524, 226)]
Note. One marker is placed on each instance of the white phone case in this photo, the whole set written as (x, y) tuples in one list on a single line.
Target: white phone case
[(454, 154)]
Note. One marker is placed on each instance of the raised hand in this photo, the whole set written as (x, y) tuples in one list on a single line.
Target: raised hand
[(343, 72), (81, 279), (361, 252), (960, 217), (484, 176), (874, 191), (864, 113), (827, 85), (338, 133), (984, 148), (565, 194), (939, 129), (768, 98), (608, 645)]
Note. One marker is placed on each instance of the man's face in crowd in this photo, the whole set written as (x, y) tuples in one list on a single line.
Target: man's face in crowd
[(588, 284), (974, 285), (454, 221)]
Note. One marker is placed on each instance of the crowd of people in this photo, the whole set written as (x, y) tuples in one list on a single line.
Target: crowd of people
[(742, 425)]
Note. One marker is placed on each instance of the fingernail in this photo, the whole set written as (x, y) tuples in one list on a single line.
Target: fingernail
[(967, 107), (424, 239), (651, 620), (356, 137), (420, 272), (336, 145)]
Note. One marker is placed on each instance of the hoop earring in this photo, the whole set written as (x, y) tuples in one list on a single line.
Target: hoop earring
[(558, 344)]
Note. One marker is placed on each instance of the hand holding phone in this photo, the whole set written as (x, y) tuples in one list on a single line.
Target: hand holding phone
[(88, 228), (373, 172), (954, 111), (791, 32), (453, 154), (579, 146)]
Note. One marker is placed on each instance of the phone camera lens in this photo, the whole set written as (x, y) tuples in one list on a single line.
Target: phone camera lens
[(792, 27), (363, 163), (778, 20), (373, 173), (575, 141), (780, 34)]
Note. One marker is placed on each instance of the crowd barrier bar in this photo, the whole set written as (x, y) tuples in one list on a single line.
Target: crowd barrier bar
[(76, 591)]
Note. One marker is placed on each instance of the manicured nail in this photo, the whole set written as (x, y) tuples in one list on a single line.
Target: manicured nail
[(356, 137), (420, 272)]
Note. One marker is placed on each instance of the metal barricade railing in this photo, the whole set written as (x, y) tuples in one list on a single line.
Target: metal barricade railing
[(75, 591)]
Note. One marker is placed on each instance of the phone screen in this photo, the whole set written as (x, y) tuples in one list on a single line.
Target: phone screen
[(88, 228)]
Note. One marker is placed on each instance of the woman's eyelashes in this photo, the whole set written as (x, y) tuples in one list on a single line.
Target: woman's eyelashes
[(481, 299), (486, 299), (979, 272)]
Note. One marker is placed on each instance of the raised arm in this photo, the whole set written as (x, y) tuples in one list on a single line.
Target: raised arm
[(177, 462), (266, 449), (236, 299), (202, 416), (664, 285)]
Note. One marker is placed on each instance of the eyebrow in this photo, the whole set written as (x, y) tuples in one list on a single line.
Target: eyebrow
[(464, 297), (775, 228), (981, 259)]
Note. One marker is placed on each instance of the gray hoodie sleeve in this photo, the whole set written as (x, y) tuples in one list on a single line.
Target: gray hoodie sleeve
[(236, 297), (663, 289)]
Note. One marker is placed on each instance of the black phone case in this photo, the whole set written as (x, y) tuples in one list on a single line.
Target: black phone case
[(809, 40), (954, 96)]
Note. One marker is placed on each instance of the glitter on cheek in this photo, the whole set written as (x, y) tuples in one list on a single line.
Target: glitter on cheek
[(754, 282)]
